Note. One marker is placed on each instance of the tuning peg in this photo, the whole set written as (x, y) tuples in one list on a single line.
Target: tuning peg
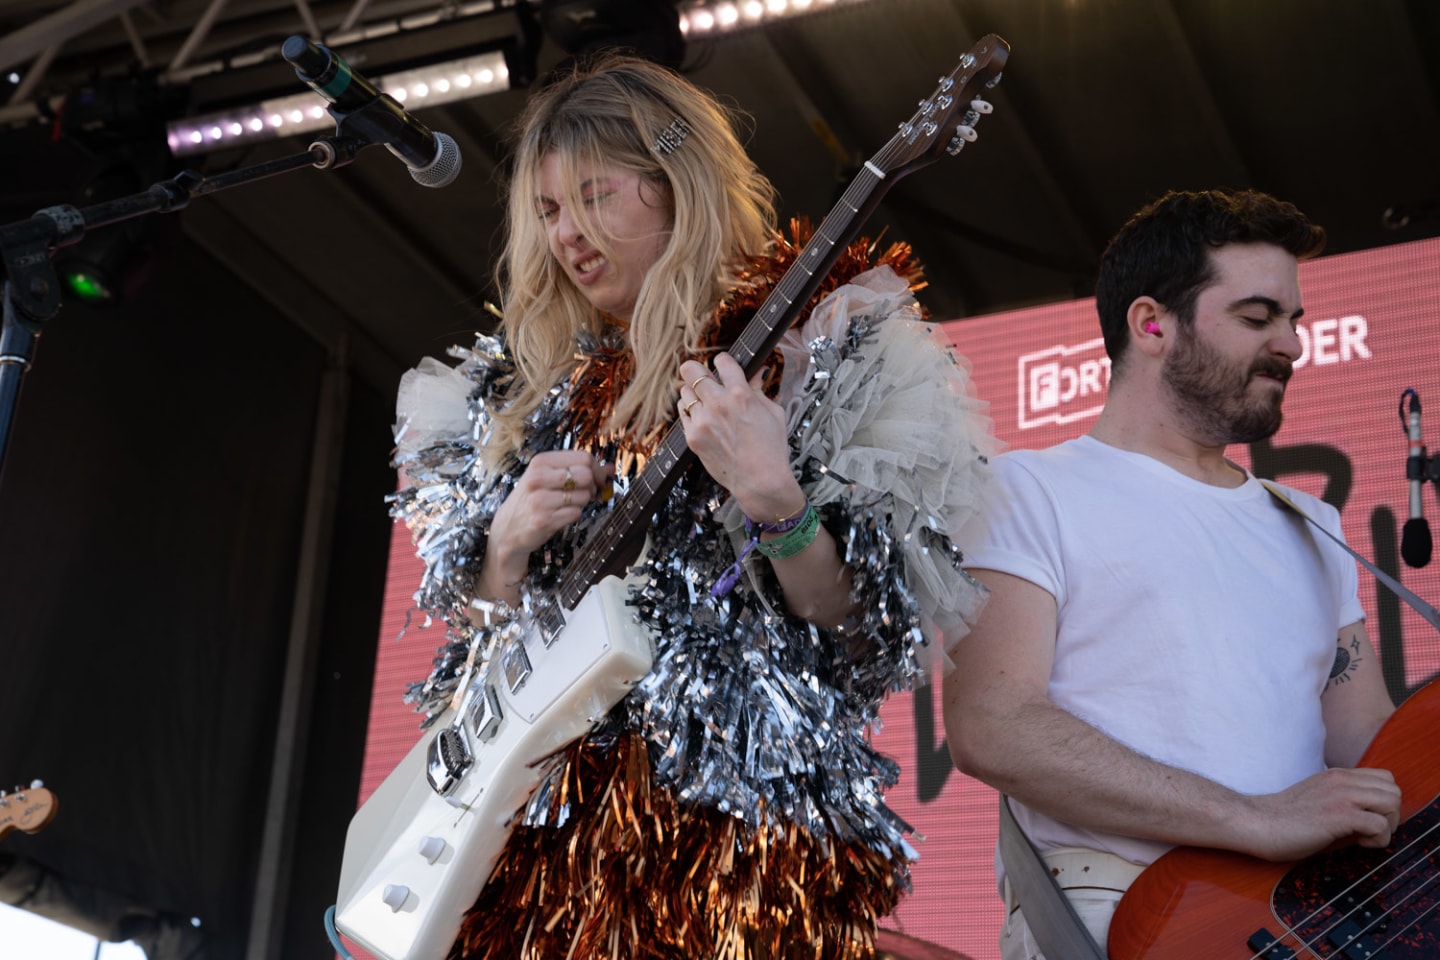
[(36, 784), (963, 135), (981, 106)]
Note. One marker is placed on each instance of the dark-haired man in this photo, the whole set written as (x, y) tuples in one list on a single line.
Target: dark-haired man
[(1168, 656)]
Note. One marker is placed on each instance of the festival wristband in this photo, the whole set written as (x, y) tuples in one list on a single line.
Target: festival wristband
[(799, 533), (795, 540)]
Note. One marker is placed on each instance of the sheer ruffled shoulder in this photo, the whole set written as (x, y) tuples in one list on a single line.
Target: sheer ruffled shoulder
[(880, 398), (431, 405)]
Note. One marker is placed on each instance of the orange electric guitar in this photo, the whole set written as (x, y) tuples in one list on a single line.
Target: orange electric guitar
[(27, 808), (1347, 904)]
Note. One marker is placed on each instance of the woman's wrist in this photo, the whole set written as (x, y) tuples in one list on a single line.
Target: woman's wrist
[(784, 501), (786, 537), (501, 574)]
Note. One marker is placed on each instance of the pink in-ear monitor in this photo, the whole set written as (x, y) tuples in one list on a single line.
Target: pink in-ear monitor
[(1151, 326)]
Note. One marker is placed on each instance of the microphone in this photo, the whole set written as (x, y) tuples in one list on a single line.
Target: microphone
[(1415, 541), (433, 158)]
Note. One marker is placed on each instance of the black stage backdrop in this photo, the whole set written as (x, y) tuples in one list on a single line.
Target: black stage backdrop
[(151, 515)]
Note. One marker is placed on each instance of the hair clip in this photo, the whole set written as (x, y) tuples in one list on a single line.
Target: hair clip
[(669, 139)]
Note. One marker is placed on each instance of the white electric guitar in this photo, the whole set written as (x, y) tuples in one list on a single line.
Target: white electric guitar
[(421, 848)]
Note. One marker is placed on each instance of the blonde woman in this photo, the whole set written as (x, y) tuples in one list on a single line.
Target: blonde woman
[(730, 805)]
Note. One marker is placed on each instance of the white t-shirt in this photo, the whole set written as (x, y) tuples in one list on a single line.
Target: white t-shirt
[(1196, 624)]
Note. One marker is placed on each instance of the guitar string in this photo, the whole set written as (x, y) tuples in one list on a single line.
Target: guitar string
[(1407, 926), (1412, 864), (596, 553), (1389, 911)]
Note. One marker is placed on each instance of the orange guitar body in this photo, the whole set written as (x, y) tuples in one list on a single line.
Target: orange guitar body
[(1194, 903)]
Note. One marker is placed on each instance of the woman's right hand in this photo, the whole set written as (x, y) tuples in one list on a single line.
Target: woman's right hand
[(549, 496)]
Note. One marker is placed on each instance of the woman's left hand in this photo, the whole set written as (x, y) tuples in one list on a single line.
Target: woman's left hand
[(739, 435)]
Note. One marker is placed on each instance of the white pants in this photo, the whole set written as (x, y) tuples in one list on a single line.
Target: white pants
[(1093, 882)]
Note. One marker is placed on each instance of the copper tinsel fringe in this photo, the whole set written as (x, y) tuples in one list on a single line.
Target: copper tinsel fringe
[(633, 874), (602, 376)]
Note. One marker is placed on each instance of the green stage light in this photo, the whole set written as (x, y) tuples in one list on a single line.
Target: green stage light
[(88, 286)]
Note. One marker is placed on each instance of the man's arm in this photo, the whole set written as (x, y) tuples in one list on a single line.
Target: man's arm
[(1003, 729), (1355, 702)]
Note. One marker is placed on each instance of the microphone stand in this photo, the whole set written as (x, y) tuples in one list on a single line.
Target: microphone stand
[(31, 290), (1415, 539)]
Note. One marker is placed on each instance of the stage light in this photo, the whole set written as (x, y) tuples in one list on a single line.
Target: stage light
[(107, 263), (304, 112), (88, 286), (710, 18), (656, 29)]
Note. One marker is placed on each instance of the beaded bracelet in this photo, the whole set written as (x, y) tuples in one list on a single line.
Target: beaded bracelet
[(799, 531)]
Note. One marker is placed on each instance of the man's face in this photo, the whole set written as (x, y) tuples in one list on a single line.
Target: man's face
[(1227, 374)]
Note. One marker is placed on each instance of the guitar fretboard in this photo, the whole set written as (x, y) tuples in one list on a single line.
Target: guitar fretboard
[(918, 142)]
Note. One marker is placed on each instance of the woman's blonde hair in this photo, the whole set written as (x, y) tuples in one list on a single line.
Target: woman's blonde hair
[(611, 112)]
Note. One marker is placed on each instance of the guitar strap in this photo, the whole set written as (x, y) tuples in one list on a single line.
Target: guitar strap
[(1431, 615), (1048, 912)]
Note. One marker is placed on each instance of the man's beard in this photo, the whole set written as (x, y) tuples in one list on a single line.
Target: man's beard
[(1214, 394)]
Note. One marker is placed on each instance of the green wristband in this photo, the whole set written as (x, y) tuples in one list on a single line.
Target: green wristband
[(794, 541)]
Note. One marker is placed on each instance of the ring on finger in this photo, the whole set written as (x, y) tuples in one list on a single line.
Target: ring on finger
[(703, 376), (692, 403), (569, 483)]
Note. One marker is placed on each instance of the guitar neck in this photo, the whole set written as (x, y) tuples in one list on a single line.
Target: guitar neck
[(618, 541), (917, 143)]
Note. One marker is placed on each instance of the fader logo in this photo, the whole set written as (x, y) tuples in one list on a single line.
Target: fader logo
[(1063, 384)]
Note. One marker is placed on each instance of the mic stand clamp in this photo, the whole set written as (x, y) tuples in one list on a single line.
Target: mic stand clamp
[(1424, 467), (31, 292), (381, 121)]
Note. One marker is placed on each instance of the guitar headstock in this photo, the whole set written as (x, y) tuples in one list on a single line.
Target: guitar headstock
[(946, 119), (27, 808)]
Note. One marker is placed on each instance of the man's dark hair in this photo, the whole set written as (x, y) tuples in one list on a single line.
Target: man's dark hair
[(1164, 251)]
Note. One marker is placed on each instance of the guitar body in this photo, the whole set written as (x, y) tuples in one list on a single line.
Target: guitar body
[(1347, 903), (417, 855)]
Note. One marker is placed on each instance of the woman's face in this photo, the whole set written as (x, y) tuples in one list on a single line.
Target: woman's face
[(635, 215)]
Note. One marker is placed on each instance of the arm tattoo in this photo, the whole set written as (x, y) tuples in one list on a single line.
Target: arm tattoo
[(1347, 659)]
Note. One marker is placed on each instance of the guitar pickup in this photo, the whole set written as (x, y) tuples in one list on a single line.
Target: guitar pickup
[(515, 663), (550, 622), (448, 759), (1350, 939), (484, 711), (1269, 947)]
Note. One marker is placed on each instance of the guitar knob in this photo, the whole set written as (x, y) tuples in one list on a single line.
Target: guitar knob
[(431, 848), (36, 784), (394, 896)]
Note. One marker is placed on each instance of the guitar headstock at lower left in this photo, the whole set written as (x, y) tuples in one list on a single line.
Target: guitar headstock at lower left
[(27, 808)]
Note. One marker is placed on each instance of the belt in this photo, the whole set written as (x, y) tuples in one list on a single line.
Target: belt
[(1080, 868)]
